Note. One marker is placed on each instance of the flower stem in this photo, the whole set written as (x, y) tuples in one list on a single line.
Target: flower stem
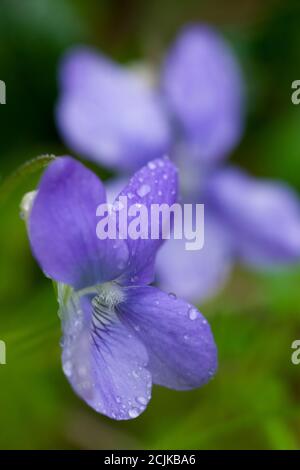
[(28, 168)]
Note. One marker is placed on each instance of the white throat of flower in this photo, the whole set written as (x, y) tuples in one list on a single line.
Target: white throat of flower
[(110, 294), (105, 298)]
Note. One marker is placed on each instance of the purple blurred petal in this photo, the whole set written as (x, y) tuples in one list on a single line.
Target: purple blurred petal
[(104, 361), (62, 227), (155, 183), (180, 345), (196, 275), (263, 217), (108, 113), (204, 89)]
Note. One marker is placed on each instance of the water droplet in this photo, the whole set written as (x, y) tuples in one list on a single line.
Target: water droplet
[(204, 322), (133, 412), (117, 206), (118, 399), (185, 337), (161, 163), (159, 193), (130, 195), (172, 295), (135, 374), (142, 400), (165, 176), (137, 328), (156, 302), (151, 165), (67, 368), (143, 190), (193, 313)]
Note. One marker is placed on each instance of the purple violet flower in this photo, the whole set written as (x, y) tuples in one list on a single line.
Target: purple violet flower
[(196, 113), (120, 335)]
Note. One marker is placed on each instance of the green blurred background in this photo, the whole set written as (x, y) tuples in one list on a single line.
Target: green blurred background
[(254, 400)]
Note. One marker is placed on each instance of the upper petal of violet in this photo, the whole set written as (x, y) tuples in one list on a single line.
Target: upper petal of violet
[(155, 184), (203, 87), (108, 113), (62, 227)]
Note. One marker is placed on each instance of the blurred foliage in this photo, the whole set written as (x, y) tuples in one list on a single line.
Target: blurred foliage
[(254, 400)]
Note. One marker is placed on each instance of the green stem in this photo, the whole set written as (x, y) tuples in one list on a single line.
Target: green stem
[(28, 168)]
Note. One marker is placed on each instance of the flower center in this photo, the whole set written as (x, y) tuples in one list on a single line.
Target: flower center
[(109, 294)]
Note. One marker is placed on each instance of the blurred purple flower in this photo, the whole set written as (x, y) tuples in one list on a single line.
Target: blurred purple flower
[(196, 114), (119, 334)]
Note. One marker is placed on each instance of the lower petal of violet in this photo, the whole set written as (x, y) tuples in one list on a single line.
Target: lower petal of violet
[(179, 341), (103, 360)]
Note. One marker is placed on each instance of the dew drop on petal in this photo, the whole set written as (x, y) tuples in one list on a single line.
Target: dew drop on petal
[(117, 206), (192, 313), (151, 165), (172, 295), (142, 400), (67, 368), (130, 195), (143, 190), (133, 412)]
